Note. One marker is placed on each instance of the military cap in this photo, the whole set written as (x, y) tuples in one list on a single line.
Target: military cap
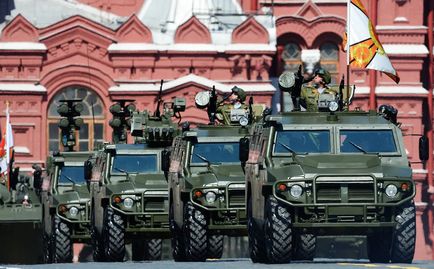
[(324, 74), (240, 93)]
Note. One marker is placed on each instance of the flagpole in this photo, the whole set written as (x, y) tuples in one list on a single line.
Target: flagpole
[(372, 73), (8, 172), (348, 55)]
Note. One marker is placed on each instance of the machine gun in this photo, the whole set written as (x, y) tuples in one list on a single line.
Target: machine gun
[(341, 94), (251, 110), (159, 101), (212, 107)]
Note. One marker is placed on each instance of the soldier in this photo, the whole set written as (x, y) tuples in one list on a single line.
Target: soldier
[(235, 101), (309, 96)]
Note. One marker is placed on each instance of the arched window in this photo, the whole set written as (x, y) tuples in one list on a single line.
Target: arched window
[(291, 57), (330, 59), (91, 132)]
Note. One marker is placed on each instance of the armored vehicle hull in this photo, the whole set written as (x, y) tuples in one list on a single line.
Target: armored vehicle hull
[(66, 207), (207, 192), (313, 174), (20, 225), (129, 202)]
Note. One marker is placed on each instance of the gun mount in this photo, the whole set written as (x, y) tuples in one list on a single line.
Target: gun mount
[(157, 129), (120, 121), (70, 111)]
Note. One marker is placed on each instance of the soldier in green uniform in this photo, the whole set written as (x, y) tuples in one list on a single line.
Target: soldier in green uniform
[(230, 109), (310, 95)]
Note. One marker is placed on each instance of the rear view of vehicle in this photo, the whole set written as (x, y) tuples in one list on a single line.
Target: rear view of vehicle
[(329, 173)]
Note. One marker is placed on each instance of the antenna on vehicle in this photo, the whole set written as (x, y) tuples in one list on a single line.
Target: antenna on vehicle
[(93, 121), (157, 112)]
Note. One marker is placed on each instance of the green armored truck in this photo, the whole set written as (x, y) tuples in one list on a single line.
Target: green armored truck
[(329, 173), (21, 219), (66, 211), (206, 189), (206, 181), (129, 188)]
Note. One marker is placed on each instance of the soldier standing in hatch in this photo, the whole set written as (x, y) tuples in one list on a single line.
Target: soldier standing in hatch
[(309, 95), (234, 101)]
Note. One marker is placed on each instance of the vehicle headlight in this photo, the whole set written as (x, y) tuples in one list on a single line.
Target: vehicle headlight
[(333, 106), (244, 121), (210, 197), (296, 191), (128, 203), (391, 190), (73, 211)]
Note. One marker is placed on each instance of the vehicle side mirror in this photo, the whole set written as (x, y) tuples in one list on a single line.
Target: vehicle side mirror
[(88, 170), (244, 150), (165, 160), (423, 148)]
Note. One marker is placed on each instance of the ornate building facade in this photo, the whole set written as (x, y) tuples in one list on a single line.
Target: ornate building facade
[(100, 51)]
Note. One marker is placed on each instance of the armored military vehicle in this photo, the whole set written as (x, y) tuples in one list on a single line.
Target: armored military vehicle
[(64, 194), (206, 183), (66, 211), (129, 188), (329, 173), (206, 188), (21, 219)]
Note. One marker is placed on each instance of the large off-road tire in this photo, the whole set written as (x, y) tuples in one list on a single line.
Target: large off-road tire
[(147, 250), (113, 235), (61, 242), (215, 247), (256, 237), (178, 248), (278, 232), (379, 246), (304, 246), (195, 232), (404, 235)]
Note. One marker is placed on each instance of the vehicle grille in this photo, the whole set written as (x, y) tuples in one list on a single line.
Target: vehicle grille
[(345, 190), (236, 198), (154, 205)]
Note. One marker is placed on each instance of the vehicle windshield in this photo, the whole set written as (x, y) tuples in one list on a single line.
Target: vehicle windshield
[(367, 141), (135, 164), (222, 152), (71, 173), (302, 142)]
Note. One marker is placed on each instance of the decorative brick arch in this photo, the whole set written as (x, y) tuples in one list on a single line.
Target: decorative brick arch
[(327, 37), (71, 75), (193, 31), (250, 31), (78, 75), (19, 30), (310, 30), (132, 31)]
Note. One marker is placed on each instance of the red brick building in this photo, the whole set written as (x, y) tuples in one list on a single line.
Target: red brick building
[(100, 51)]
